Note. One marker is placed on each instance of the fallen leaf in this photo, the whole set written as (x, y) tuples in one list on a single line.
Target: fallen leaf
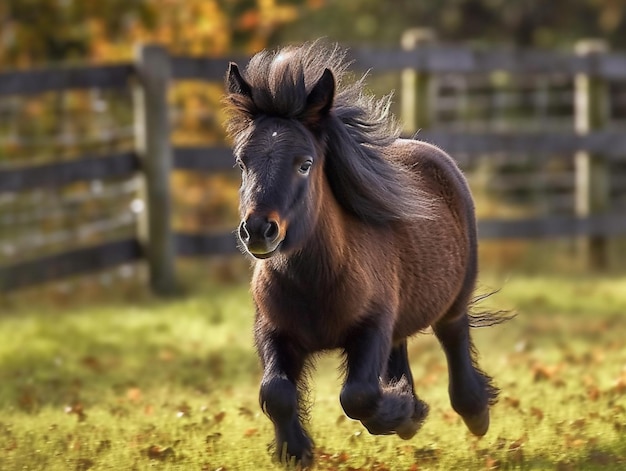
[(93, 363), (378, 466), (83, 464), (593, 393), (219, 416), (620, 385), (516, 451), (519, 443), (492, 463), (212, 437), (250, 432), (588, 381), (12, 445), (166, 355), (183, 410), (133, 394), (450, 417), (155, 452), (543, 372), (537, 413), (427, 455), (512, 402), (78, 409), (246, 412), (501, 443)]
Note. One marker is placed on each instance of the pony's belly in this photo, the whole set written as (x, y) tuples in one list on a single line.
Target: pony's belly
[(410, 326), (420, 314)]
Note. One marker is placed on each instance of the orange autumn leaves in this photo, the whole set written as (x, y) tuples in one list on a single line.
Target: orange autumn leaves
[(52, 31)]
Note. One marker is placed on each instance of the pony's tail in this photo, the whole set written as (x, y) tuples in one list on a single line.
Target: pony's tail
[(487, 318)]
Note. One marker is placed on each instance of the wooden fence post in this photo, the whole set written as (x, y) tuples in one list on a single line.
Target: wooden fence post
[(152, 131), (418, 87), (591, 107)]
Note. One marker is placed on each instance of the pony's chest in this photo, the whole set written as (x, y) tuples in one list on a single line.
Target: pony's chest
[(316, 317)]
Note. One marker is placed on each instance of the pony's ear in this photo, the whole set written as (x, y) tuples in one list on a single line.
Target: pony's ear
[(320, 99), (235, 83)]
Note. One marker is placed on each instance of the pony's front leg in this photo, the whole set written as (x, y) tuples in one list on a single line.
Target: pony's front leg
[(382, 408), (282, 370)]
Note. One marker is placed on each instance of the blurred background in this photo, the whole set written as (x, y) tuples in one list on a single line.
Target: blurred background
[(48, 126)]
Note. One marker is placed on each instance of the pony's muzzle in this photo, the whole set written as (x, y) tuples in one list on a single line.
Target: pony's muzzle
[(261, 235)]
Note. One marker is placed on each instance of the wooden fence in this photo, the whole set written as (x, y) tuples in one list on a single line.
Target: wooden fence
[(419, 61)]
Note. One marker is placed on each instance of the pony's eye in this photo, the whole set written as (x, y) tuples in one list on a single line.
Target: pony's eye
[(241, 165), (305, 167)]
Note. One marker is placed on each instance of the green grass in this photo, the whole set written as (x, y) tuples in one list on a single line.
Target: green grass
[(173, 385)]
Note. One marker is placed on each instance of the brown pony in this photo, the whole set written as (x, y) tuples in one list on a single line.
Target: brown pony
[(360, 240)]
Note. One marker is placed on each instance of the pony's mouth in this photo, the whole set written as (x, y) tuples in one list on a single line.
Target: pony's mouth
[(263, 254)]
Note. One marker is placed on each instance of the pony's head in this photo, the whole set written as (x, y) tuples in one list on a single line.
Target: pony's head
[(297, 130), (280, 155)]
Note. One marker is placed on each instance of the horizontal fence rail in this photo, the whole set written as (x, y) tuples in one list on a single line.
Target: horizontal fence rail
[(71, 263), (193, 245), (58, 174), (464, 60), (204, 159), (438, 60), (154, 156), (610, 224), (611, 145), (28, 82), (202, 68)]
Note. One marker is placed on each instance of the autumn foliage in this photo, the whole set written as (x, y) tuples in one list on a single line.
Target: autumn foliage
[(37, 32)]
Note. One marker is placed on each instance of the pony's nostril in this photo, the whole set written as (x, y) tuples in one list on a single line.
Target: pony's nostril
[(271, 230), (243, 232)]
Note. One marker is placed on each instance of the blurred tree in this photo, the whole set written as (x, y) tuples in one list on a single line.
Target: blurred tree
[(44, 31), (525, 23)]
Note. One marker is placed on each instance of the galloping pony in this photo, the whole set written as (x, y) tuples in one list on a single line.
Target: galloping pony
[(360, 239)]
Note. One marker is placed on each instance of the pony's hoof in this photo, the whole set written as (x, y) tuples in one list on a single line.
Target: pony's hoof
[(301, 461), (478, 424), (296, 454), (305, 461), (410, 427)]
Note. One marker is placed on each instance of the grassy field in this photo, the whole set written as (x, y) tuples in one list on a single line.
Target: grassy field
[(173, 385)]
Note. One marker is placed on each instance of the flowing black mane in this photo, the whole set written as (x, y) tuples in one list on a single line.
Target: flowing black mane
[(354, 134)]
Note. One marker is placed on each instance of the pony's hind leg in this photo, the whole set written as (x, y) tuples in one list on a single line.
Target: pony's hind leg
[(382, 408), (399, 376), (280, 399), (471, 390)]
